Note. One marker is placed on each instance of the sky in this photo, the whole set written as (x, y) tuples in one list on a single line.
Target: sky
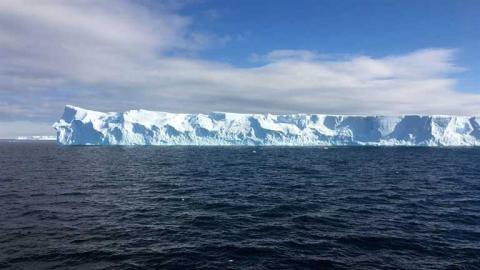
[(305, 56)]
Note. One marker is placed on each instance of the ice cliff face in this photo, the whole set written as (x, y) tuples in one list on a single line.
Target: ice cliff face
[(140, 127)]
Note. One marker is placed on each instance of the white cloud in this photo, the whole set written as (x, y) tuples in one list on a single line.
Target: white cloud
[(116, 55), (278, 55)]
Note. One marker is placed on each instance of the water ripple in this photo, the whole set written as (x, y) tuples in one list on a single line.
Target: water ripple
[(230, 208)]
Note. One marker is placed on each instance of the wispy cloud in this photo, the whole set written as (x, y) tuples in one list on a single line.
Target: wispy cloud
[(116, 55)]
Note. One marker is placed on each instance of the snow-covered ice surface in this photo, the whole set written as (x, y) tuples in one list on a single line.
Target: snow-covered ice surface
[(140, 127)]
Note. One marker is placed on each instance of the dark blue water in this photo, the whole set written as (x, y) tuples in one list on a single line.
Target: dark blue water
[(238, 207)]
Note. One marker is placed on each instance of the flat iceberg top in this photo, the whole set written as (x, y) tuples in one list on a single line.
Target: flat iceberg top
[(79, 126)]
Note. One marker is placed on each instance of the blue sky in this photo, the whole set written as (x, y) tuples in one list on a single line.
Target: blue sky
[(342, 57), (371, 27)]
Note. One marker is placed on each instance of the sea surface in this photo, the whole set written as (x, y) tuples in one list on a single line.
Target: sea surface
[(238, 207)]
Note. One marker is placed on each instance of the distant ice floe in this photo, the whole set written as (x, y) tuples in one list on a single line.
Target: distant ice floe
[(37, 138), (141, 127)]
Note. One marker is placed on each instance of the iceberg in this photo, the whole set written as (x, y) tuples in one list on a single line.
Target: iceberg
[(80, 126)]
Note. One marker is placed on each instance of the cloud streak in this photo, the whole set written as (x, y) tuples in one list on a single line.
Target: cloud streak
[(118, 55)]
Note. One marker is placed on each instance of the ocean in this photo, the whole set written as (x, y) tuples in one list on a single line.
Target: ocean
[(175, 207)]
